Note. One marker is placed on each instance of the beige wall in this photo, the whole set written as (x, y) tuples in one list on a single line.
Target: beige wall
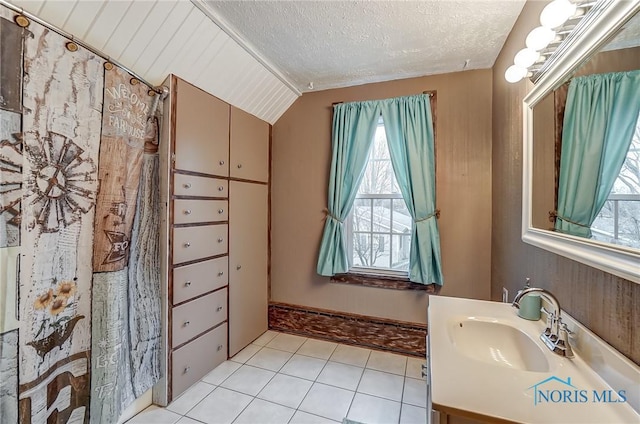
[(301, 155), (608, 305)]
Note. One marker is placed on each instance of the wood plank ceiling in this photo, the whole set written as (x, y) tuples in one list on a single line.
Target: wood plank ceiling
[(157, 37)]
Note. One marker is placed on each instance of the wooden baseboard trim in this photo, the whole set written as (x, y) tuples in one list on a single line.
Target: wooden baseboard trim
[(374, 333)]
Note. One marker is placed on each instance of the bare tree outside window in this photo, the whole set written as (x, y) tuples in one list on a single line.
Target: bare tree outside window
[(379, 231)]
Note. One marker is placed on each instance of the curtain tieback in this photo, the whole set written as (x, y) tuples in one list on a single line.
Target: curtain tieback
[(328, 214), (554, 214), (436, 213)]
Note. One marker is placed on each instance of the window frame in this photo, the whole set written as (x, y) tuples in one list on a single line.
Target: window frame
[(382, 277)]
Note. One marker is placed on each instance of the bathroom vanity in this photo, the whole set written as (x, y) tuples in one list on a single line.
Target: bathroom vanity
[(486, 364)]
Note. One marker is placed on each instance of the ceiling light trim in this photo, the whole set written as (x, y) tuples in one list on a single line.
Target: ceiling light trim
[(230, 30)]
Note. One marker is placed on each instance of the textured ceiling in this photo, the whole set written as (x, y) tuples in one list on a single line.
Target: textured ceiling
[(343, 43)]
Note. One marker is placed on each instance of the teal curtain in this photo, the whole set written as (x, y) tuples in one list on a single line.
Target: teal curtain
[(409, 128), (354, 125), (600, 118)]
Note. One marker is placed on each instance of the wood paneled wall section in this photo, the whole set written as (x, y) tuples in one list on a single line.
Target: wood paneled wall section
[(609, 306), (301, 158)]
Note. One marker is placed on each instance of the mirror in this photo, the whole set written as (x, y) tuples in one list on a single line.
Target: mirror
[(605, 40)]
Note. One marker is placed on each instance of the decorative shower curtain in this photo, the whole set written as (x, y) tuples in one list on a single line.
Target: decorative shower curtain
[(72, 180), (409, 129), (600, 118)]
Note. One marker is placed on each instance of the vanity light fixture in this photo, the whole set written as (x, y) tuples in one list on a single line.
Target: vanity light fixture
[(543, 40), (556, 13), (515, 73)]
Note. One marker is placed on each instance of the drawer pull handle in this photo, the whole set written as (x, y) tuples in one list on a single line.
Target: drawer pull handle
[(219, 348), (187, 185), (239, 165), (187, 244), (187, 369), (238, 267), (187, 323), (187, 283), (219, 308), (221, 188), (220, 274), (187, 211), (220, 240), (221, 162), (220, 210)]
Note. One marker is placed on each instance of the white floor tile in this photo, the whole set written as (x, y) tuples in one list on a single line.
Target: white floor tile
[(414, 367), (387, 362), (270, 359), (155, 415), (286, 390), (373, 410), (187, 420), (248, 380), (327, 401), (415, 392), (305, 418), (263, 412), (286, 342), (190, 398), (222, 406), (317, 348), (265, 338), (341, 375), (382, 384), (412, 415), (303, 367), (351, 355), (245, 354), (221, 372)]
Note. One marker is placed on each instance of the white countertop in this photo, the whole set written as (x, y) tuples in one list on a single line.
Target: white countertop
[(462, 385)]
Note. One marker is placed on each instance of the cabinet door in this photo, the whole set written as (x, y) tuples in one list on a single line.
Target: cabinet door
[(202, 131), (247, 263), (249, 146)]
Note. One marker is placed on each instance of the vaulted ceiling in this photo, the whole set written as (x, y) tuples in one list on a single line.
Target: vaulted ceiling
[(261, 55)]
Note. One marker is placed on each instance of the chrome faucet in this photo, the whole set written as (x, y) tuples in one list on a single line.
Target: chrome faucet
[(556, 333)]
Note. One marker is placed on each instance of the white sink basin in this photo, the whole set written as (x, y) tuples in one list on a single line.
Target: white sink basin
[(498, 344)]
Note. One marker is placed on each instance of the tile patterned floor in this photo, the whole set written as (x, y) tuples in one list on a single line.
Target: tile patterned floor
[(286, 379)]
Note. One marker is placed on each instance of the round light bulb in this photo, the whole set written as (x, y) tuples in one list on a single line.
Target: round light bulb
[(539, 38), (515, 73), (557, 13), (526, 57)]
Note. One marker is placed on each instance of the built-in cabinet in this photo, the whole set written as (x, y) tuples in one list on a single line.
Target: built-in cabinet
[(214, 179), (248, 295)]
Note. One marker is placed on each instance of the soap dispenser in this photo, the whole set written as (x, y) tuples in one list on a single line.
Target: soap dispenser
[(530, 304)]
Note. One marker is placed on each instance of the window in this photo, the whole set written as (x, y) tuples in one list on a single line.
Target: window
[(619, 219), (379, 226)]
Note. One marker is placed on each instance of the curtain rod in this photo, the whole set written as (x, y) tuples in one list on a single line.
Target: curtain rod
[(428, 93), (34, 18)]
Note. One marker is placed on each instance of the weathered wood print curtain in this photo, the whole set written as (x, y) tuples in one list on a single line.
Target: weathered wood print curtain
[(73, 130)]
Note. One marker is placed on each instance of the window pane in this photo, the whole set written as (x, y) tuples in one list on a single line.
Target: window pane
[(381, 250), (382, 215), (379, 148), (629, 223), (603, 226), (400, 252), (362, 215), (361, 249), (402, 221)]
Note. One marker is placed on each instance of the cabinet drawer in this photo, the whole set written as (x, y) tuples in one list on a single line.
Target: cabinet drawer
[(193, 361), (193, 243), (191, 211), (189, 185), (193, 280), (198, 316)]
